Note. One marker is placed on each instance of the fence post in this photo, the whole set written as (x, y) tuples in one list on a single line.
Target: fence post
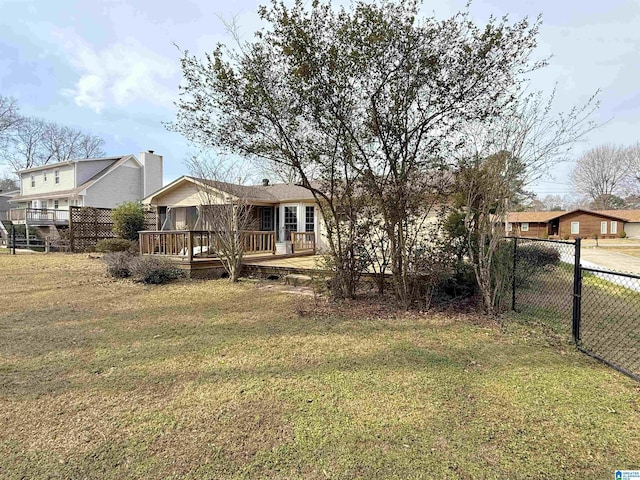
[(13, 239), (577, 293), (71, 210), (513, 274)]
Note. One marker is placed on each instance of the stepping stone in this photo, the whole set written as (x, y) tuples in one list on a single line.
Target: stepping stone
[(297, 279)]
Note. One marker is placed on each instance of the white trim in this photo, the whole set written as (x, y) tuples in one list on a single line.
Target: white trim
[(509, 227), (524, 227), (603, 228), (614, 227), (576, 230)]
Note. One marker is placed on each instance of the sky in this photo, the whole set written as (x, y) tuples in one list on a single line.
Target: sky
[(112, 67)]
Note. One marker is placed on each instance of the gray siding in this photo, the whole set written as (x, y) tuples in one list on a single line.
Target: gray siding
[(86, 170), (124, 184)]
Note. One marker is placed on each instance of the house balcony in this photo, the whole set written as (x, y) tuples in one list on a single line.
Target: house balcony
[(38, 216)]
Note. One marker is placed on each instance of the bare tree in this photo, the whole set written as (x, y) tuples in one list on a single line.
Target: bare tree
[(9, 116), (27, 142), (630, 185), (224, 211), (499, 158), (599, 173)]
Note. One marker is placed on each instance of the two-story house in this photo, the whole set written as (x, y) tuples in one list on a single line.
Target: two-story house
[(47, 191)]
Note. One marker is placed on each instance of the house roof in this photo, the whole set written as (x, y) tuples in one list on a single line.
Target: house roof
[(627, 215), (544, 217), (11, 193), (78, 190), (270, 194), (68, 162), (533, 217)]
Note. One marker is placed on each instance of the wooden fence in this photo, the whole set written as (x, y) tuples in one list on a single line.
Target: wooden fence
[(89, 225)]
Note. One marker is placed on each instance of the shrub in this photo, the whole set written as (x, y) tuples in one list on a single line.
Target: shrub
[(114, 245), (622, 234), (153, 270), (118, 264), (538, 255), (532, 259), (566, 237), (128, 220)]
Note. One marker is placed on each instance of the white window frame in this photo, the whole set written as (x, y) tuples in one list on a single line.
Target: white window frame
[(614, 227), (44, 176), (56, 204), (576, 230), (509, 227), (56, 176), (524, 227), (33, 181), (603, 228)]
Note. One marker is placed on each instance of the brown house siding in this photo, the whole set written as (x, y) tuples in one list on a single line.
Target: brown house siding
[(589, 225), (536, 230)]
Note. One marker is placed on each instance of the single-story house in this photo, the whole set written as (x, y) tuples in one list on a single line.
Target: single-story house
[(280, 208), (569, 224)]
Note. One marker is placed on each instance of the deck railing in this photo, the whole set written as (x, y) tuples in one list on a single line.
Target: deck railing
[(38, 216), (200, 243), (259, 242), (303, 241)]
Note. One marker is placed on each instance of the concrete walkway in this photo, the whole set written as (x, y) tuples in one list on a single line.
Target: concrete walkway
[(608, 260)]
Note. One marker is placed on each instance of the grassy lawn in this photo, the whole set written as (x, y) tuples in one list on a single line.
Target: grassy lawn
[(110, 379)]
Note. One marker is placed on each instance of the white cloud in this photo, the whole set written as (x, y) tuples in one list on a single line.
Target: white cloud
[(120, 74)]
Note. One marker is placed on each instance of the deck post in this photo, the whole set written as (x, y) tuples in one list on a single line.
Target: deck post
[(189, 246), (26, 228)]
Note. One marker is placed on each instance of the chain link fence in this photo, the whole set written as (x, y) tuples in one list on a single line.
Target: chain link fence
[(599, 308), (609, 327), (542, 287)]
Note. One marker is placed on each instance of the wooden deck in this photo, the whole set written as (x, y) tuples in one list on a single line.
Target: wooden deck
[(284, 265), (261, 264)]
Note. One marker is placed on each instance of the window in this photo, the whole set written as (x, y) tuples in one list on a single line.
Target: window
[(525, 226), (44, 176), (56, 204), (603, 227), (44, 204), (290, 221), (575, 228), (56, 175), (509, 227), (309, 223), (266, 219), (614, 227), (33, 180)]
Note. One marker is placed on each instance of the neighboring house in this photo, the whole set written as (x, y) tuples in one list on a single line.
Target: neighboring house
[(280, 208), (47, 192), (632, 221), (5, 206), (575, 223)]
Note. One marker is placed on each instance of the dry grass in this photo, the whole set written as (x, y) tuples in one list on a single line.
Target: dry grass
[(633, 251), (110, 379)]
